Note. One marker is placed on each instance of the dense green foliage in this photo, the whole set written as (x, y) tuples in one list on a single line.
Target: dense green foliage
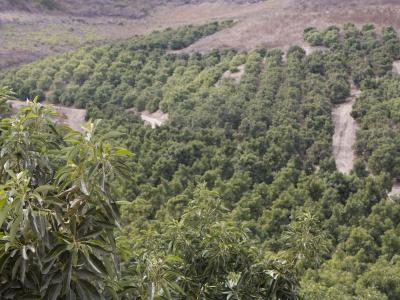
[(123, 74), (58, 209), (242, 178)]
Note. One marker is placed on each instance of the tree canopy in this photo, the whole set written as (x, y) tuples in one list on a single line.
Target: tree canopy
[(237, 196)]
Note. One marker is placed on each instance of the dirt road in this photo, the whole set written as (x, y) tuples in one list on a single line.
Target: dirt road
[(395, 190), (237, 76), (73, 117), (396, 66), (345, 133), (154, 119)]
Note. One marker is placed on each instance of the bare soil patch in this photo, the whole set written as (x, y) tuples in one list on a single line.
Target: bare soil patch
[(154, 119), (278, 23), (273, 23), (395, 190), (311, 49), (396, 66), (73, 117), (236, 76), (345, 133)]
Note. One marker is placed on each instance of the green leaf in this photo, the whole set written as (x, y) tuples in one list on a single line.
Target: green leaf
[(90, 290), (3, 213), (71, 295), (91, 234), (56, 252), (54, 291), (3, 261), (112, 135), (122, 151), (124, 202), (45, 188), (67, 276), (96, 264), (83, 187)]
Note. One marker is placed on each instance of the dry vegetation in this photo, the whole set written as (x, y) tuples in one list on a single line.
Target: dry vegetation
[(25, 35), (279, 23), (90, 8)]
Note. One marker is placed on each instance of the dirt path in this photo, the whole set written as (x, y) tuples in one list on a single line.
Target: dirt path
[(154, 119), (311, 49), (345, 133), (396, 66), (237, 76), (73, 117), (395, 190)]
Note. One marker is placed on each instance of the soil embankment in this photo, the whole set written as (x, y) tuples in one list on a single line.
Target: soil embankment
[(396, 66), (73, 117), (345, 133), (236, 76), (154, 119), (396, 189)]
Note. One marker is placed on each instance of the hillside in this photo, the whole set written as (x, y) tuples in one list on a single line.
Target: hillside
[(91, 8), (241, 182), (27, 34)]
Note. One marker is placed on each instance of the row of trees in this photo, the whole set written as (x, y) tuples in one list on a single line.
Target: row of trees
[(125, 73), (59, 215), (238, 192)]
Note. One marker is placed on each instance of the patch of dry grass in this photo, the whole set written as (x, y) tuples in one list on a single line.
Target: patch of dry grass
[(273, 23)]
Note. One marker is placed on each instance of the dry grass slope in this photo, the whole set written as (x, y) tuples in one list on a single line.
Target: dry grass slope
[(31, 33)]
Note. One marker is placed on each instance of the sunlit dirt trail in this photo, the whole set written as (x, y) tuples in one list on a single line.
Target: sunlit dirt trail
[(345, 133), (395, 190), (73, 117), (154, 119)]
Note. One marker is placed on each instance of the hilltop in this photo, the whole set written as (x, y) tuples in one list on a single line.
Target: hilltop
[(29, 30), (90, 8)]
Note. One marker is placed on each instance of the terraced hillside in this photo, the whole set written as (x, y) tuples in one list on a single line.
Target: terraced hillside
[(243, 173)]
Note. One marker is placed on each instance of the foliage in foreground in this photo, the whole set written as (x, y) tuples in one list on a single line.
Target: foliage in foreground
[(58, 210), (203, 255), (58, 215)]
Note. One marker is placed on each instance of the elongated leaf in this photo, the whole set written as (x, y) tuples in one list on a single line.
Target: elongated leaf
[(56, 252), (87, 275), (67, 275), (3, 213), (91, 290), (45, 188), (54, 291), (83, 187), (122, 151)]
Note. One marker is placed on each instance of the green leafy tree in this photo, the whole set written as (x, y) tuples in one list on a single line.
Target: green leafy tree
[(5, 94), (58, 210), (202, 255), (306, 243)]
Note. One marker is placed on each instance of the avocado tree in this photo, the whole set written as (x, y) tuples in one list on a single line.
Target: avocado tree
[(57, 209), (5, 94)]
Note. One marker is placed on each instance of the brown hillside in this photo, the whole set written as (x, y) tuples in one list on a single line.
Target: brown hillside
[(29, 31), (90, 8)]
